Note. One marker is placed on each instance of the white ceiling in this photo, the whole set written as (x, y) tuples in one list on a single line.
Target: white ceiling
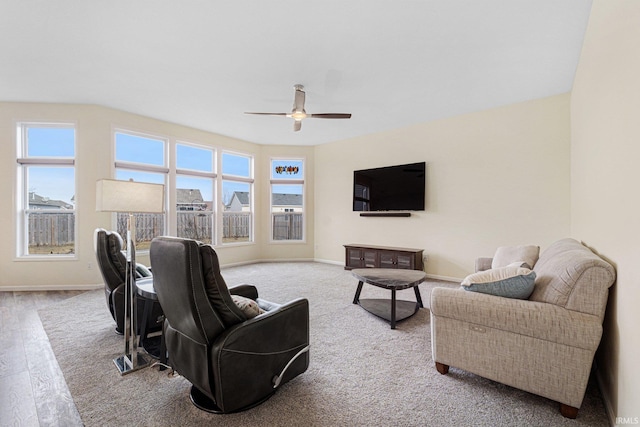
[(391, 63)]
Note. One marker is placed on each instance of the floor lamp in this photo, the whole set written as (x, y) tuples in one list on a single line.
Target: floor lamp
[(130, 197)]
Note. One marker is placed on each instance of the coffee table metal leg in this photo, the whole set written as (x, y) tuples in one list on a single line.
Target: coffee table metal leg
[(358, 290), (393, 308), (418, 297)]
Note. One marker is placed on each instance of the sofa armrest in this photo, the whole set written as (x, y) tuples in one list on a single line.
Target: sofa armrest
[(483, 263), (544, 321)]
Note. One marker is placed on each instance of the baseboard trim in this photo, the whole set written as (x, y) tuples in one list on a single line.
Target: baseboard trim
[(445, 278), (328, 261), (36, 288), (238, 264), (90, 287), (608, 407), (287, 260), (259, 261)]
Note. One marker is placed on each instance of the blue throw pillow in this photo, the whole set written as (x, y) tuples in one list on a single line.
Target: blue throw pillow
[(508, 282)]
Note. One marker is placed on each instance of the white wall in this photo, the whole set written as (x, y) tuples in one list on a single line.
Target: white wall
[(94, 160), (605, 146), (496, 177)]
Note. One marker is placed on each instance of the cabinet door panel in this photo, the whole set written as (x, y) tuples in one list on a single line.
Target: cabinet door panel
[(355, 257), (370, 259), (387, 260), (405, 261)]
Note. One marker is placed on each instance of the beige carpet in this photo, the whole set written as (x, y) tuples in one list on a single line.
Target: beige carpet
[(362, 373)]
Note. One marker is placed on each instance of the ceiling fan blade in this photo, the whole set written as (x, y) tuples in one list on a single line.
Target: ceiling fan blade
[(298, 103), (298, 113), (330, 116)]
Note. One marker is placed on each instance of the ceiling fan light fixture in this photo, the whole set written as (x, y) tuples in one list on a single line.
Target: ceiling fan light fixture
[(298, 112), (298, 115)]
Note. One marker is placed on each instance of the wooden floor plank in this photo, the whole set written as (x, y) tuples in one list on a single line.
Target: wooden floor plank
[(17, 406), (6, 299), (12, 355), (32, 386), (54, 403)]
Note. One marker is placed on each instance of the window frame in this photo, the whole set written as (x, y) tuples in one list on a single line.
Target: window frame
[(143, 168), (213, 176), (250, 180), (274, 181), (21, 201)]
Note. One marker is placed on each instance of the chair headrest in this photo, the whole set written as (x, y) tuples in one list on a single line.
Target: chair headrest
[(108, 247)]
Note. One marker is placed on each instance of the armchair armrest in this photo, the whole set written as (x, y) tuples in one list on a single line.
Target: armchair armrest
[(264, 333), (142, 271), (544, 321), (251, 358), (483, 263), (247, 291)]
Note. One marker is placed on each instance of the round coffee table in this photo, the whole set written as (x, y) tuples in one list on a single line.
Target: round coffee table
[(394, 279)]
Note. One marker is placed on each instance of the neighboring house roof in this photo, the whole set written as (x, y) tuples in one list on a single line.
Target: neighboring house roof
[(37, 201), (188, 196), (242, 196), (279, 199)]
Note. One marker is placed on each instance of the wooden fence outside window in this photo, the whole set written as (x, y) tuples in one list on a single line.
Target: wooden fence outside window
[(55, 229)]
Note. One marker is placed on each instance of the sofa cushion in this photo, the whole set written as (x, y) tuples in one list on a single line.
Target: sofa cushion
[(506, 255), (510, 282)]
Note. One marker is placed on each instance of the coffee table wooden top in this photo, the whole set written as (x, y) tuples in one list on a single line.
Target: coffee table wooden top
[(390, 278)]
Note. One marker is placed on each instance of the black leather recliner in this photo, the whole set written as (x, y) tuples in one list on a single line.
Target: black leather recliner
[(233, 362), (112, 264)]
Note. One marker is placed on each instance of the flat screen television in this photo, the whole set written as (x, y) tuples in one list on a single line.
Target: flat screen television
[(391, 188)]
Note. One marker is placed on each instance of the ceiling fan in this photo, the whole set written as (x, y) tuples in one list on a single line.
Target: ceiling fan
[(298, 113)]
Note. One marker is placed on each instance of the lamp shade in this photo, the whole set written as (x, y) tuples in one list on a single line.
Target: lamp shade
[(129, 196)]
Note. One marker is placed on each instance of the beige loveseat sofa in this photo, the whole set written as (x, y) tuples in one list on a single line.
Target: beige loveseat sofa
[(544, 345)]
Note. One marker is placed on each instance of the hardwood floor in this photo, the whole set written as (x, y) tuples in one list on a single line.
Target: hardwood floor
[(33, 391)]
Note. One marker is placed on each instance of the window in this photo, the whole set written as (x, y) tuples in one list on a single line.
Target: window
[(287, 193), (141, 158), (46, 189), (237, 184), (195, 201)]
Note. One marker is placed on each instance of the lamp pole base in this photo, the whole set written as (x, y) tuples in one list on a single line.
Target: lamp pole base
[(126, 363)]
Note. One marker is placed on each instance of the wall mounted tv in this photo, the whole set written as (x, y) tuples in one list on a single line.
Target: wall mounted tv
[(391, 188)]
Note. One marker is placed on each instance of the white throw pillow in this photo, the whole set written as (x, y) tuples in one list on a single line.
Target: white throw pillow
[(506, 255), (248, 306)]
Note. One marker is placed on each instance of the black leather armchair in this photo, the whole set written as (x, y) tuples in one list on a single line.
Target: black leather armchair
[(112, 263), (233, 362)]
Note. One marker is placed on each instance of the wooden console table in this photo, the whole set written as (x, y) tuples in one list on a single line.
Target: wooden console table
[(368, 256)]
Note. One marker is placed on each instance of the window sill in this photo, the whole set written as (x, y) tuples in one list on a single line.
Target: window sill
[(40, 258), (287, 242)]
